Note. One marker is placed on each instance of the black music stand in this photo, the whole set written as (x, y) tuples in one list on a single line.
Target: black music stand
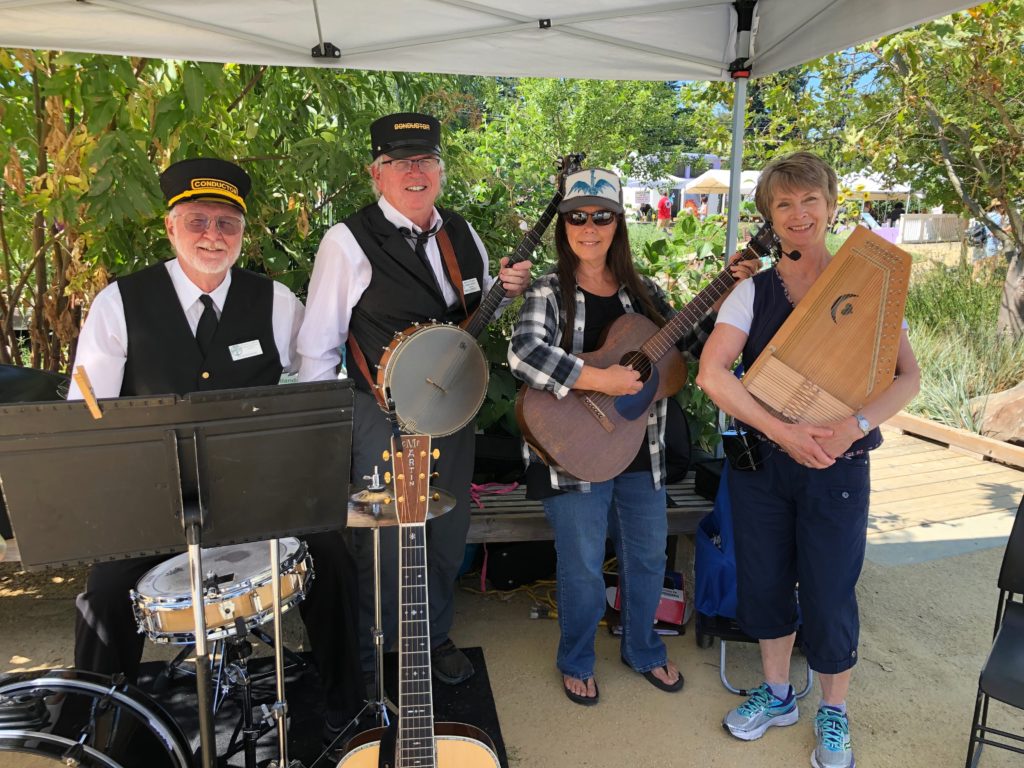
[(161, 474)]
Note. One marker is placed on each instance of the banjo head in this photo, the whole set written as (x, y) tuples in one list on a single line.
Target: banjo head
[(438, 378)]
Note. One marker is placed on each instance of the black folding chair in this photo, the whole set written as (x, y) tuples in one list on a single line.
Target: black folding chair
[(1002, 677)]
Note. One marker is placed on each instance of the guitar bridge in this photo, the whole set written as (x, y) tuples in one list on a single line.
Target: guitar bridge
[(597, 413)]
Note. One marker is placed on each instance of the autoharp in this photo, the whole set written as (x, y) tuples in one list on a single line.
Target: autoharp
[(837, 350)]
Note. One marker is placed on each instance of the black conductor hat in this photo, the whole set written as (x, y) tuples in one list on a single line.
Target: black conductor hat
[(205, 178), (405, 134)]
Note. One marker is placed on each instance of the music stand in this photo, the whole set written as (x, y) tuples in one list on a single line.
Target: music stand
[(161, 474)]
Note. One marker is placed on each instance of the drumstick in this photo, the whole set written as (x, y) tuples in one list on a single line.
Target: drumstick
[(82, 380)]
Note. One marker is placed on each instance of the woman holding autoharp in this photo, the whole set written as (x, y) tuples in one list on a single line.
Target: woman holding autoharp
[(801, 515)]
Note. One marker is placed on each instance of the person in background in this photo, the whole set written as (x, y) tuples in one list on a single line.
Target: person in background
[(664, 212), (801, 516), (563, 315)]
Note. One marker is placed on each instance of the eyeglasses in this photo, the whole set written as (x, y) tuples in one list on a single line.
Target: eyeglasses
[(425, 164), (600, 218), (197, 223)]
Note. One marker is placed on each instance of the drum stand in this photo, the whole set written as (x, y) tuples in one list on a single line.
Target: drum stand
[(379, 706)]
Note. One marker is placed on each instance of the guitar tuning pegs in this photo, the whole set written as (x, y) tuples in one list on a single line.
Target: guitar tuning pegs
[(386, 455), (434, 475), (400, 477), (422, 499), (435, 496), (422, 476), (436, 453), (388, 500), (387, 477)]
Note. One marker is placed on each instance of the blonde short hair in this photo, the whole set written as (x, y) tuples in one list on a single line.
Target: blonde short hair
[(799, 170)]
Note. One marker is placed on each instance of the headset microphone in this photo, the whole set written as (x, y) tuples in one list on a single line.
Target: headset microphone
[(794, 255)]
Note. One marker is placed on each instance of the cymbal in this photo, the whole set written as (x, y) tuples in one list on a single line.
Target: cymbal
[(376, 509)]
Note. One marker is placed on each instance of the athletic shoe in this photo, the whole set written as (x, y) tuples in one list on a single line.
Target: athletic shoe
[(832, 729), (760, 712)]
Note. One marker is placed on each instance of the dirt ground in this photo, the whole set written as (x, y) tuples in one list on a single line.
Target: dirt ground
[(926, 629)]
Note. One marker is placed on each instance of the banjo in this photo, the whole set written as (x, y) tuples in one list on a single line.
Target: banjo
[(436, 372)]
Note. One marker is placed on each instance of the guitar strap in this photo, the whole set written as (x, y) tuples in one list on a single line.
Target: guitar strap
[(452, 265), (364, 369)]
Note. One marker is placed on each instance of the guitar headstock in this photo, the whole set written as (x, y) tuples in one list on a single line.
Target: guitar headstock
[(763, 242), (411, 455), (568, 165)]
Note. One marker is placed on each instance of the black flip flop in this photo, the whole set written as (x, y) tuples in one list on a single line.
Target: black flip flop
[(659, 684), (583, 701)]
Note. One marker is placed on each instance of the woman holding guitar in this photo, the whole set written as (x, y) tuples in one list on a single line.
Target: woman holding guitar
[(563, 315), (800, 508)]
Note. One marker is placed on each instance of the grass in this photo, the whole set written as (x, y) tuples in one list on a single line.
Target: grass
[(953, 331)]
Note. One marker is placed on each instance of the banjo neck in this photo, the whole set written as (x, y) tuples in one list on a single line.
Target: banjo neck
[(488, 308)]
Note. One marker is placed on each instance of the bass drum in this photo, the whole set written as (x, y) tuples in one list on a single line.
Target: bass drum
[(71, 717), (438, 377)]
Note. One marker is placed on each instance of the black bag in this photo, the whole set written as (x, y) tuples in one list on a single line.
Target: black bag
[(678, 446)]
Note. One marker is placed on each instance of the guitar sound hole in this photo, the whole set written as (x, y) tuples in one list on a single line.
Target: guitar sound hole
[(638, 361)]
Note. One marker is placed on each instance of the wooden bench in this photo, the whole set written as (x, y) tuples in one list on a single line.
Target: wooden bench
[(511, 517)]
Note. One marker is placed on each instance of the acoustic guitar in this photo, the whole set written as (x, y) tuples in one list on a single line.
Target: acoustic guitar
[(594, 436), (436, 372), (419, 741)]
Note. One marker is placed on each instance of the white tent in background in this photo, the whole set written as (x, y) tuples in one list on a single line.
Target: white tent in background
[(716, 182), (601, 39), (872, 187)]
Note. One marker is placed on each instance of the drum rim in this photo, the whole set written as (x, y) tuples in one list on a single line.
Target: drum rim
[(234, 588), (143, 706), (96, 759)]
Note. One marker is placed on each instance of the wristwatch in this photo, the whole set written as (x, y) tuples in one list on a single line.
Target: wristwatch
[(863, 423)]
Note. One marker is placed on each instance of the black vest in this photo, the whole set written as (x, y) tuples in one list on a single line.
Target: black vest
[(401, 290), (771, 309), (163, 356)]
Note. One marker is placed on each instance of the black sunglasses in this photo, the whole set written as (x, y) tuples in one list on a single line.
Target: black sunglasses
[(600, 218)]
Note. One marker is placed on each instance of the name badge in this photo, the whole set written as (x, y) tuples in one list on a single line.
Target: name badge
[(470, 286), (245, 349)]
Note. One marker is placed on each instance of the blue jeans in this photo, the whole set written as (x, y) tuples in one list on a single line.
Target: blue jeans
[(630, 510)]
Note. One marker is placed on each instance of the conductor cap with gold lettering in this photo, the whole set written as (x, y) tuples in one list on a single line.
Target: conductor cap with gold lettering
[(405, 134), (205, 178)]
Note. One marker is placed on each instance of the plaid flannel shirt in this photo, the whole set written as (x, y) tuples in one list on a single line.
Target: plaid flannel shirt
[(536, 357)]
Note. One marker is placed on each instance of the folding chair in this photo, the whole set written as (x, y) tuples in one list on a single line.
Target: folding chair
[(715, 590), (1002, 677)]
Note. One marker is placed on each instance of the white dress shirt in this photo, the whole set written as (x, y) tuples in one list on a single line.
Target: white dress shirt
[(341, 274), (103, 342)]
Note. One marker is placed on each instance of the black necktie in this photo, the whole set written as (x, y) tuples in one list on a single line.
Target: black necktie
[(207, 325), (420, 246)]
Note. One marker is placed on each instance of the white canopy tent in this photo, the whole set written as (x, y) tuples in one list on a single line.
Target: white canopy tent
[(871, 186), (716, 182), (602, 39)]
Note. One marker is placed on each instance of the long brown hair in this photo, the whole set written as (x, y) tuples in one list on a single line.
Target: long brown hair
[(620, 262)]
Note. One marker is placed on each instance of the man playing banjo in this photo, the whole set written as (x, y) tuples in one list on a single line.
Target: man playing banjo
[(377, 273), (196, 323)]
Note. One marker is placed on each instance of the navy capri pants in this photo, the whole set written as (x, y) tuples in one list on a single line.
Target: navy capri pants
[(797, 525)]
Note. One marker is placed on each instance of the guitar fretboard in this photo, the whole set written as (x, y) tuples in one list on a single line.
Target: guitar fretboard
[(415, 746), (661, 342)]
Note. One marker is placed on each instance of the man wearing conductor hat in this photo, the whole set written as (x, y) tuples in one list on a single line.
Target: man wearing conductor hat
[(375, 274), (198, 322)]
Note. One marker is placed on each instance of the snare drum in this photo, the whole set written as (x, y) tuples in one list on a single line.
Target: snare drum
[(237, 586), (71, 717)]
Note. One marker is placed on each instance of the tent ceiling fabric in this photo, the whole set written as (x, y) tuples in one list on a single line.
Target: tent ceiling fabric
[(601, 39)]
